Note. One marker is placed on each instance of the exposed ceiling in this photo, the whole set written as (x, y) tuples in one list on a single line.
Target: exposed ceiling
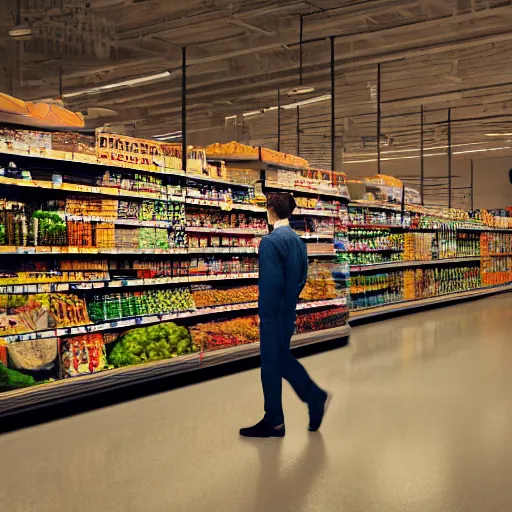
[(437, 53)]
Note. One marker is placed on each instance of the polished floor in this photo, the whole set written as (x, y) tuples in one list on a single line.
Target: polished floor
[(421, 421)]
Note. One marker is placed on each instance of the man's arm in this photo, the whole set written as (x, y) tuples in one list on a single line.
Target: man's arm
[(271, 280), (305, 266)]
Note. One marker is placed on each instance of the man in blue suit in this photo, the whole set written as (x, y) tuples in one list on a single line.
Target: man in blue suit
[(283, 269)]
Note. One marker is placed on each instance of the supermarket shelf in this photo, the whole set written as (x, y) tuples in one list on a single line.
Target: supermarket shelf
[(375, 226), (10, 250), (316, 213), (228, 355), (28, 399), (252, 159), (67, 157), (90, 189), (210, 179), (117, 192), (318, 192), (405, 306), (223, 205), (230, 231), (316, 236), (123, 323), (375, 206), (55, 250), (389, 249), (222, 250), (401, 264), (321, 254), (120, 222), (118, 283)]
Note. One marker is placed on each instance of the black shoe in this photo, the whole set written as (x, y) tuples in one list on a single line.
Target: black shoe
[(263, 429), (317, 410)]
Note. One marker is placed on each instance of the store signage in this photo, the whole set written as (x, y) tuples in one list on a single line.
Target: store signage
[(120, 148)]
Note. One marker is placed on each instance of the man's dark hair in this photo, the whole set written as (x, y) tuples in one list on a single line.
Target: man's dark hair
[(282, 203)]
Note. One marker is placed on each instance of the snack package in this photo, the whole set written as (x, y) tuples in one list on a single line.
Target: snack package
[(82, 355)]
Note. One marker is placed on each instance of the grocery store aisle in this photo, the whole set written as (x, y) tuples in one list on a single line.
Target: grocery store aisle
[(421, 421)]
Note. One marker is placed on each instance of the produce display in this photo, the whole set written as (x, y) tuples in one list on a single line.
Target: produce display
[(148, 302), (226, 333), (145, 344), (206, 296), (320, 320), (12, 379)]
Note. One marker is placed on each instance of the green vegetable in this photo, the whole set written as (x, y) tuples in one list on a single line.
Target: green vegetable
[(12, 379), (161, 341)]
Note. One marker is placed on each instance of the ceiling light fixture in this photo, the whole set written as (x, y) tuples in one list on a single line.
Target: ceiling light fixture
[(303, 103), (297, 91), (481, 150), (169, 137), (413, 150), (21, 32), (170, 134), (125, 83), (503, 148), (290, 106), (498, 134), (253, 113)]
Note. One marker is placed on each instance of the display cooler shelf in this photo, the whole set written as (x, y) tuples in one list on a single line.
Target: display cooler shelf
[(138, 321), (29, 399)]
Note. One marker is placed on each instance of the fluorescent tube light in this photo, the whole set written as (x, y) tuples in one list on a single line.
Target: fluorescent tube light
[(297, 91), (498, 134), (303, 103), (252, 113), (484, 150), (125, 83), (20, 32), (177, 132)]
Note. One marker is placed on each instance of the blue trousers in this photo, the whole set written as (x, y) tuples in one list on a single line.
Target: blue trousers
[(277, 362)]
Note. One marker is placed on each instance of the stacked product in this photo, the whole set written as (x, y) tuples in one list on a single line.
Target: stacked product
[(206, 296), (133, 304), (368, 291)]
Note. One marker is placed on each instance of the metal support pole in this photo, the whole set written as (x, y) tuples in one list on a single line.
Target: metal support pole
[(61, 85), (298, 131), (301, 61), (333, 110), (279, 120), (449, 158), (402, 205), (472, 186), (378, 118), (301, 56), (184, 156), (422, 162)]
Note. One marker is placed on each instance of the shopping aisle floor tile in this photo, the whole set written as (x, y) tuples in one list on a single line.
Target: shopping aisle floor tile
[(421, 421)]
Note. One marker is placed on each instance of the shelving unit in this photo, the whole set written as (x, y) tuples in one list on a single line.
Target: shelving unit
[(218, 226), (171, 247)]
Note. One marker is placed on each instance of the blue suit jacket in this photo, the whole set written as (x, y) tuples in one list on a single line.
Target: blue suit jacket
[(283, 269)]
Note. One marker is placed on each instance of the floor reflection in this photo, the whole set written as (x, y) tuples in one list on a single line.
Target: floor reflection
[(283, 482)]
